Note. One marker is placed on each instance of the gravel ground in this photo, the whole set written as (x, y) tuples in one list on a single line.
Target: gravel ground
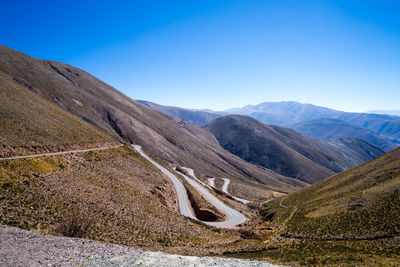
[(23, 248)]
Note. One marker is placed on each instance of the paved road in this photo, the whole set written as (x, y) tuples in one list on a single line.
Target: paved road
[(225, 190), (191, 173), (233, 217), (62, 152), (184, 205)]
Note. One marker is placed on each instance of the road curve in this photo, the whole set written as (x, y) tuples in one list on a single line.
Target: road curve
[(225, 190), (62, 152), (183, 202), (191, 173), (233, 217)]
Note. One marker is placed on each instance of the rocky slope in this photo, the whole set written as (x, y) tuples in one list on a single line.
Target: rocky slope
[(23, 248)]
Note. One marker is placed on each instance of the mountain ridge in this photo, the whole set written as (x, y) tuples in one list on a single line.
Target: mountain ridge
[(289, 112), (286, 151)]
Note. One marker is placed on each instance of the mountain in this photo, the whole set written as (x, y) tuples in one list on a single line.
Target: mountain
[(381, 131), (393, 112), (124, 119), (283, 112), (195, 117), (286, 151), (333, 129), (288, 113)]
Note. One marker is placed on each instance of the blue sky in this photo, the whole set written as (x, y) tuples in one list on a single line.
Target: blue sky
[(220, 54)]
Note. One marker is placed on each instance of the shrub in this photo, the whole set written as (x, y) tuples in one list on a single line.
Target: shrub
[(75, 225)]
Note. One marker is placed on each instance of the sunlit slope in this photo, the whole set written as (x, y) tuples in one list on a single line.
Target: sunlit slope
[(29, 123), (362, 203)]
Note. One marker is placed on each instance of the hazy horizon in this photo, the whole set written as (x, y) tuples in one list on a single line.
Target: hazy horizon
[(217, 55)]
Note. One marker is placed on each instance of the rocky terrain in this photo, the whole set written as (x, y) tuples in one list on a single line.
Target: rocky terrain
[(23, 248)]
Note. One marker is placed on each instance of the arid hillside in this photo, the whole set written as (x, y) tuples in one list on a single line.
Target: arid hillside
[(30, 124), (348, 219), (127, 120)]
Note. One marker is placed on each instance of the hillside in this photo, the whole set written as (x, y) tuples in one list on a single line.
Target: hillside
[(123, 118), (114, 196), (29, 124), (287, 113), (286, 151), (195, 117), (361, 203), (350, 219)]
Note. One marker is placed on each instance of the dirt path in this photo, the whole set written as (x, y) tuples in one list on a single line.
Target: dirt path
[(62, 152), (291, 213)]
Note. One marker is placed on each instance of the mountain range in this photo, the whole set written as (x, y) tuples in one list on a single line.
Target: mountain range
[(382, 131), (287, 113), (393, 112), (287, 152)]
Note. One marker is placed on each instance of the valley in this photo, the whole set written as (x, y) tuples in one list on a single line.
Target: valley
[(199, 133), (79, 159)]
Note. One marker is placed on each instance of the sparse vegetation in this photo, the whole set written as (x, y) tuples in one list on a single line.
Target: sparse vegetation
[(108, 196), (352, 219)]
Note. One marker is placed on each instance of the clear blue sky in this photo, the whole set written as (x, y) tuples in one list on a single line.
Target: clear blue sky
[(220, 54)]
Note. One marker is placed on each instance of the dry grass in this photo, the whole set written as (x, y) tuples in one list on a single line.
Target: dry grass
[(107, 196), (349, 219)]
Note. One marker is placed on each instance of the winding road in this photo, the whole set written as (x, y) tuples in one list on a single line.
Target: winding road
[(233, 217), (225, 190), (183, 201), (211, 182), (62, 152)]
